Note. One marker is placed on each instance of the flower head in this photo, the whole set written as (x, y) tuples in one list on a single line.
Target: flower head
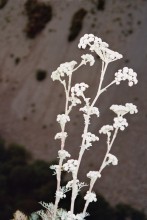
[(89, 40), (88, 58), (62, 120), (126, 74), (101, 48), (120, 123), (63, 154), (78, 89), (90, 196), (121, 110), (112, 159), (61, 135), (90, 110), (64, 69), (106, 129), (70, 165), (93, 175)]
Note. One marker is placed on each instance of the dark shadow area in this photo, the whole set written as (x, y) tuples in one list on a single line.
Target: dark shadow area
[(39, 14), (24, 182)]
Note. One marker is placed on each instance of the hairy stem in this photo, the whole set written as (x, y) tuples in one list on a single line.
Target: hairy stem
[(67, 92), (82, 150), (109, 146)]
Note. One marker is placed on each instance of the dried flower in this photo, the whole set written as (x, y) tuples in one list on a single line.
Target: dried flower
[(112, 159), (62, 119), (93, 175), (121, 110), (61, 135), (106, 129), (120, 122), (88, 58), (63, 154), (70, 165), (64, 69), (90, 196), (126, 74), (90, 110), (78, 89)]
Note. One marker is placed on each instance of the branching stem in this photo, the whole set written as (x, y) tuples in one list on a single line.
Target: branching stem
[(82, 150)]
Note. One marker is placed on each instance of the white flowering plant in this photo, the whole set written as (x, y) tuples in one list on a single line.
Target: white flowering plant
[(75, 95)]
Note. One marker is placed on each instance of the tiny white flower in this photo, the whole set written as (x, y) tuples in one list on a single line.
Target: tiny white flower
[(89, 137), (80, 216), (108, 55), (126, 74), (106, 129), (70, 165), (112, 159), (55, 168), (70, 216), (60, 194), (90, 196), (93, 175), (74, 100), (78, 89), (88, 58), (64, 69), (120, 122), (79, 185), (63, 154), (90, 40), (61, 135), (131, 108), (121, 110), (90, 110), (62, 119)]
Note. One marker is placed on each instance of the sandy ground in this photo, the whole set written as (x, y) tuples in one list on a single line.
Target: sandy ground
[(28, 108)]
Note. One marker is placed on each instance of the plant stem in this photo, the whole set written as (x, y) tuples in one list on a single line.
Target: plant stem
[(109, 146), (67, 92), (57, 199), (82, 150)]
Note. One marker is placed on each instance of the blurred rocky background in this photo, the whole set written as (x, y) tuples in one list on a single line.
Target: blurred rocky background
[(36, 36)]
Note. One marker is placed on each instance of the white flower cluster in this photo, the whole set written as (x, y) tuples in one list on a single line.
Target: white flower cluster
[(74, 101), (90, 196), (132, 109), (90, 110), (90, 39), (64, 69), (120, 122), (89, 137), (108, 55), (55, 168), (126, 74), (60, 194), (61, 135), (112, 159), (62, 119), (106, 129), (100, 47), (63, 154), (78, 89), (70, 166), (121, 110), (70, 216), (78, 184), (88, 58), (93, 175)]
